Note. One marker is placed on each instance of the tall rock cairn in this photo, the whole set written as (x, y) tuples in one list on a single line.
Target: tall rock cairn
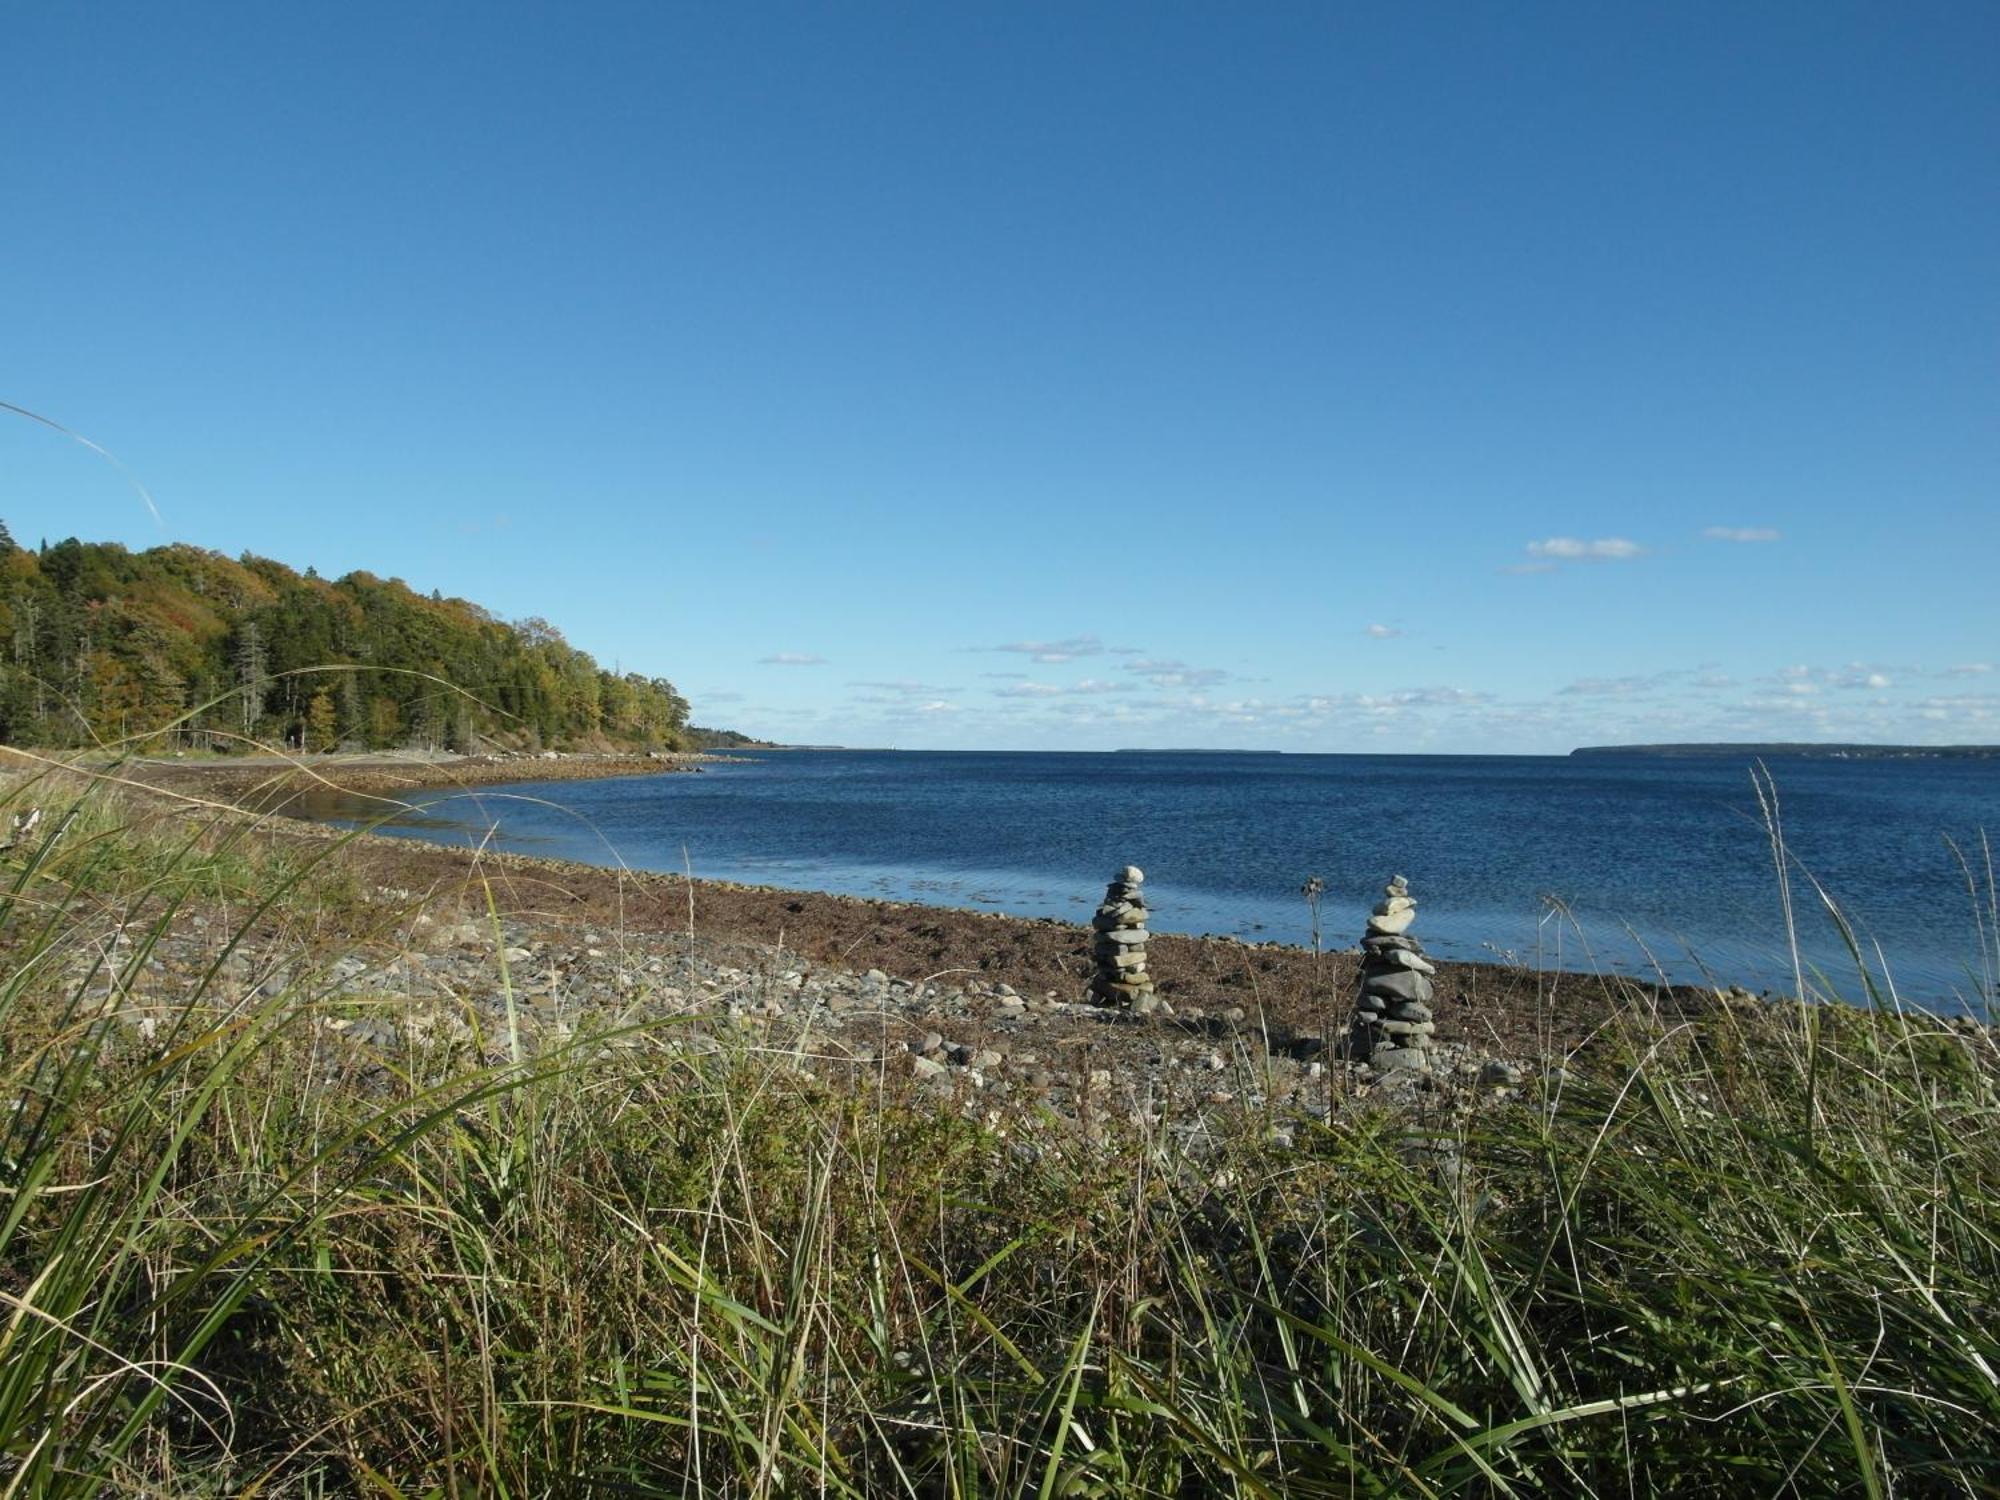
[(1393, 1020), (1119, 942)]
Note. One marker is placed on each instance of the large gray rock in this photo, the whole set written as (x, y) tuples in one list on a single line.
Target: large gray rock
[(1126, 991), (1394, 1059), (1122, 937), (1401, 984), (1391, 924), (1406, 958)]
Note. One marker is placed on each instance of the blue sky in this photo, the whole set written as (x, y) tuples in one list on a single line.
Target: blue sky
[(1451, 378)]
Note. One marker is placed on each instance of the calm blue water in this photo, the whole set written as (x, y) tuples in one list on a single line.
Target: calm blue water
[(1662, 862)]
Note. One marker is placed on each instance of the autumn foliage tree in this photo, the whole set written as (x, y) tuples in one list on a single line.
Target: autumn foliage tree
[(98, 644)]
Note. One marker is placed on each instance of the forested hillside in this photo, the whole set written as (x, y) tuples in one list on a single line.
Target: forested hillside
[(101, 644)]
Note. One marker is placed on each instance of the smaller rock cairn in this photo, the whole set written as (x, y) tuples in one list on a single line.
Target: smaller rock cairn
[(1393, 1020), (1119, 944)]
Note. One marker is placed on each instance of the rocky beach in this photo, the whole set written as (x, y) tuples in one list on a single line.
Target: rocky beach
[(1010, 1017)]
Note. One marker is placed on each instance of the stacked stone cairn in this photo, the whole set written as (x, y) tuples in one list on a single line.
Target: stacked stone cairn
[(1119, 943), (1393, 1020)]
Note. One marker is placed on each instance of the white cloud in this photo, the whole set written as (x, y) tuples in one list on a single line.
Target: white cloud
[(1575, 549), (791, 659), (1863, 677), (1086, 688), (1029, 690), (1802, 681), (1056, 652), (1741, 533), (903, 687), (1610, 687), (1431, 697), (1969, 669), (1382, 632), (1164, 674), (1982, 709)]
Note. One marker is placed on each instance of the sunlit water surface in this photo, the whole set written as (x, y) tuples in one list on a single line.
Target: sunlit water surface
[(1638, 865)]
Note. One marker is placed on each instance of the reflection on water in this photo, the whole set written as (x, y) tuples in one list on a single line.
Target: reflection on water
[(469, 818)]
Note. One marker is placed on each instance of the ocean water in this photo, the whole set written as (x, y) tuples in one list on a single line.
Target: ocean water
[(1642, 865)]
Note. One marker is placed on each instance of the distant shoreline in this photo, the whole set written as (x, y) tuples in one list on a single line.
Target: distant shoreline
[(1799, 751)]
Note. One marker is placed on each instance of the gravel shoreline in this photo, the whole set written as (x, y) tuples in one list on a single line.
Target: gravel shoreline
[(986, 1008), (264, 780)]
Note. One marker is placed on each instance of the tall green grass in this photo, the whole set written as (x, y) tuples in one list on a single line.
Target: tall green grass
[(1754, 1256)]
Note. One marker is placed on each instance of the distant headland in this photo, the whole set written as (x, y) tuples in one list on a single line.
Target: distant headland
[(1802, 750)]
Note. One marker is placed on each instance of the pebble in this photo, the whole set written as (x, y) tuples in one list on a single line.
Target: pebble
[(1496, 1073)]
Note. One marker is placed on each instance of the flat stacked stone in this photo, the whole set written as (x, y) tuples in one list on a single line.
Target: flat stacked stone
[(1394, 1024), (1118, 942)]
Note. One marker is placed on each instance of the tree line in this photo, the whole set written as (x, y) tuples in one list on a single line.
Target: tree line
[(179, 647)]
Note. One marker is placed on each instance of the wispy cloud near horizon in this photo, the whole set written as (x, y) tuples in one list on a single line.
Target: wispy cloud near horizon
[(1576, 549), (905, 687), (792, 659), (1088, 687), (1053, 653), (1741, 533), (1164, 674)]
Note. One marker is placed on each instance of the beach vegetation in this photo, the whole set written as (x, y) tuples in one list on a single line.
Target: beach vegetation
[(239, 1254)]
